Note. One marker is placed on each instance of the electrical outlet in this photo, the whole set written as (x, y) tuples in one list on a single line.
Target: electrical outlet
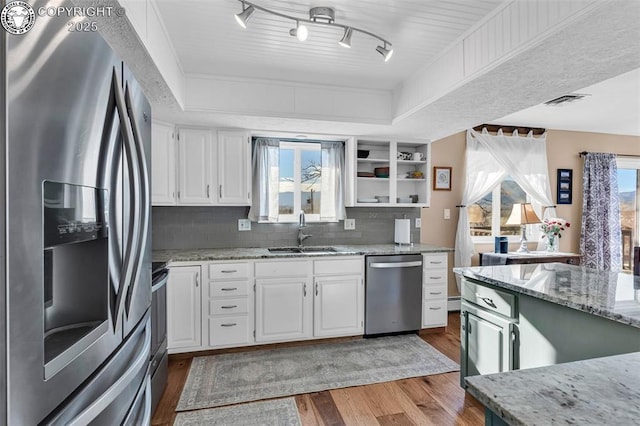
[(349, 224), (418, 222), (447, 214), (244, 225)]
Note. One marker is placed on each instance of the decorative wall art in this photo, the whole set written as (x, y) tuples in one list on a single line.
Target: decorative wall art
[(565, 186), (441, 178)]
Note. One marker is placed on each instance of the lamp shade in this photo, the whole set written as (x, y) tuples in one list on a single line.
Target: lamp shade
[(522, 214)]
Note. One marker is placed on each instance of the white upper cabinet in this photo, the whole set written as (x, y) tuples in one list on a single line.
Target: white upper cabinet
[(196, 173), (234, 171), (389, 173), (212, 168), (163, 170)]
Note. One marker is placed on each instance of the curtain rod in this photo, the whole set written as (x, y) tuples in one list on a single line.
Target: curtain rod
[(510, 129), (583, 153)]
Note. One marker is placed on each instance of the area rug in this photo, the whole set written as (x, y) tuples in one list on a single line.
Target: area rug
[(219, 380), (281, 412)]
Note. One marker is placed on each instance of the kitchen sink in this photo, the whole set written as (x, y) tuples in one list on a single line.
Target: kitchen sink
[(318, 250), (284, 250), (302, 250)]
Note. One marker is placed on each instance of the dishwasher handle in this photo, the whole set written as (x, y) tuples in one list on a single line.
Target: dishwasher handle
[(396, 264)]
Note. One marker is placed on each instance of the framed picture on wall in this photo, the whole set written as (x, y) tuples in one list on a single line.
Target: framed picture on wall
[(565, 186), (441, 178)]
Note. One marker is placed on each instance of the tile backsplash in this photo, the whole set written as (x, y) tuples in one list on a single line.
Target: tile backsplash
[(217, 227)]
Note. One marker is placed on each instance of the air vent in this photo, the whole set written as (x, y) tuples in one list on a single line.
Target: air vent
[(565, 99)]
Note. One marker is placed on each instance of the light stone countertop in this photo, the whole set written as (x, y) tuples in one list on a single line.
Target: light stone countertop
[(601, 391), (203, 255), (615, 296), (595, 391)]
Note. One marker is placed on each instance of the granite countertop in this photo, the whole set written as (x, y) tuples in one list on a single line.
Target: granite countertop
[(203, 255), (615, 296), (596, 391)]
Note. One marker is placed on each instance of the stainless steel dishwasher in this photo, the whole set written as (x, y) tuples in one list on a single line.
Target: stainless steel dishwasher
[(393, 295)]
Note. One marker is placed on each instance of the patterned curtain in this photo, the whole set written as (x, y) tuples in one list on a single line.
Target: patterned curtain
[(600, 236)]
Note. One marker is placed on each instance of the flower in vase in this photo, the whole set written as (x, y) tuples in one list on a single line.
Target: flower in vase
[(553, 227)]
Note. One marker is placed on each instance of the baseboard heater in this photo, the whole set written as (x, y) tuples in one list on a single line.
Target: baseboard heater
[(453, 303)]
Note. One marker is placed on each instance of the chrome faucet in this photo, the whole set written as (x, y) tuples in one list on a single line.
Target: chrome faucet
[(302, 223)]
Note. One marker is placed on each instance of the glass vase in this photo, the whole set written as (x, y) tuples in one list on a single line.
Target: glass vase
[(552, 243)]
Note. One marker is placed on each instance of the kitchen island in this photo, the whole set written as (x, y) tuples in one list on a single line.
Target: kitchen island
[(576, 345)]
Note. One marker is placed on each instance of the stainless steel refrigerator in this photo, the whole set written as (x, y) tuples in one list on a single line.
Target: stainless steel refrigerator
[(75, 263)]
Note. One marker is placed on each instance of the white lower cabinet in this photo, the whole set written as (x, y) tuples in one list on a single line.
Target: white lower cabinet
[(338, 306), (184, 306), (283, 309), (229, 304), (434, 290)]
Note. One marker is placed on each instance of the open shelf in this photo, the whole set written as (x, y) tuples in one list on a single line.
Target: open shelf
[(399, 156)]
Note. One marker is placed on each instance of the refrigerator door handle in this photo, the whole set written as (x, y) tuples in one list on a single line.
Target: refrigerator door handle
[(142, 216), (110, 152), (98, 406), (129, 268)]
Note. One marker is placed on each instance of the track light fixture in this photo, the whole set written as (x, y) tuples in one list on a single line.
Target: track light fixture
[(322, 16), (245, 15), (346, 38), (300, 32), (387, 53)]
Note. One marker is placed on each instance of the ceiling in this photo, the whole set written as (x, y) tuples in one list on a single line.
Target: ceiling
[(207, 41), (611, 106)]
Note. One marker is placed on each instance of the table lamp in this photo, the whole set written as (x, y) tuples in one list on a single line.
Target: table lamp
[(523, 215)]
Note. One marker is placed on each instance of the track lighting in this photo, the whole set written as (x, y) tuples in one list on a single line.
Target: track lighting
[(385, 52), (300, 32), (346, 38), (322, 16), (244, 16)]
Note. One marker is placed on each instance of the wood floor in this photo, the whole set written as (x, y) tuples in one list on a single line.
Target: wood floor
[(431, 400)]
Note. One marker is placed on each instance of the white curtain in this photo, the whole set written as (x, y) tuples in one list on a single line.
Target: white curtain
[(332, 182), (265, 203), (489, 159)]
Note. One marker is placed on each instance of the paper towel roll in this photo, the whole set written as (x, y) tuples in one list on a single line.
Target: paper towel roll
[(403, 231)]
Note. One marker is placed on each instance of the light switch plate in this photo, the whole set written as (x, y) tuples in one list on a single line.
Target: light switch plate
[(447, 214), (349, 224), (418, 222), (244, 225)]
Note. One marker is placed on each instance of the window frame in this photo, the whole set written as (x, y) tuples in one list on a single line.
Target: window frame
[(297, 148), (533, 231)]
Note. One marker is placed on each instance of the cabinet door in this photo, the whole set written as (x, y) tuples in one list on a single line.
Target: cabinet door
[(486, 345), (233, 168), (163, 167), (338, 306), (196, 157), (184, 307), (283, 309)]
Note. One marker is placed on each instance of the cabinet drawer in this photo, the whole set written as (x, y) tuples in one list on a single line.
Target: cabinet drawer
[(489, 298), (435, 261), (434, 313), (223, 271), (228, 306), (434, 292), (228, 288), (290, 268), (434, 276), (338, 266), (232, 330)]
